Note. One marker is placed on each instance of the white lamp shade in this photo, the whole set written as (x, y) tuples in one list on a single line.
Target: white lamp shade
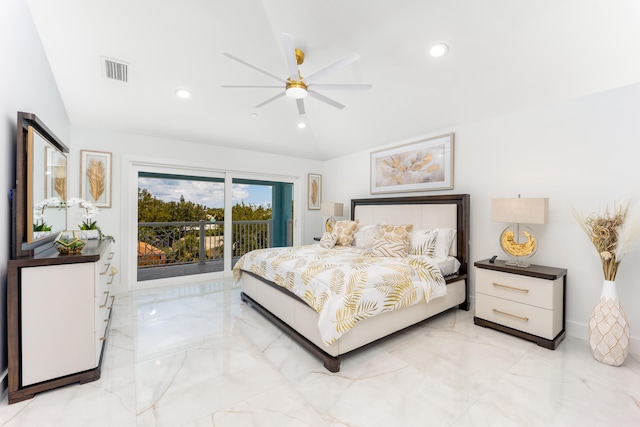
[(520, 210), (331, 209)]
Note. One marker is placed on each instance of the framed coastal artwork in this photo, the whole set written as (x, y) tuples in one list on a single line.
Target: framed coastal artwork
[(314, 191), (95, 177), (423, 165)]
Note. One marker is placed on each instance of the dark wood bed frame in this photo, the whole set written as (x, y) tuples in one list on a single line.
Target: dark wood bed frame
[(332, 363)]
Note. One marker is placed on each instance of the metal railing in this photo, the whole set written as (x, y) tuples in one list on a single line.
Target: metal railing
[(199, 242)]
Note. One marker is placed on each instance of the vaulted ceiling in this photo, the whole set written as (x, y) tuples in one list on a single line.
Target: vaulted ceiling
[(504, 56)]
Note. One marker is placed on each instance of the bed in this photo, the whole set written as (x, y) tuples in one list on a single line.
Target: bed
[(294, 315)]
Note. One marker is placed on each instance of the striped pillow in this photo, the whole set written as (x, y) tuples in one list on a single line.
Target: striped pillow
[(390, 247), (328, 240)]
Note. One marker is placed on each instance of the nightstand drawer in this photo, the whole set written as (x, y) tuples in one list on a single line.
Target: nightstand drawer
[(524, 289), (534, 320)]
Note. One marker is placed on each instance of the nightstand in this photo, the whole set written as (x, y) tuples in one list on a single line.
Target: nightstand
[(528, 303)]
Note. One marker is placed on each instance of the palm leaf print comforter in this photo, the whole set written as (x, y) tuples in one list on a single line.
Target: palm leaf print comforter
[(343, 284)]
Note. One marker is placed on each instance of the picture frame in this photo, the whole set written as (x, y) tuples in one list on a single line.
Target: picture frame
[(95, 177), (314, 191), (423, 165), (55, 167)]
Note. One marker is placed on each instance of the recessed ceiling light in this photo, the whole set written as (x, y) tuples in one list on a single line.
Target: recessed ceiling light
[(438, 49), (183, 93), (302, 125), (253, 115)]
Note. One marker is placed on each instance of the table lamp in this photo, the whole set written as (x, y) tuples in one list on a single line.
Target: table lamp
[(519, 211), (331, 210)]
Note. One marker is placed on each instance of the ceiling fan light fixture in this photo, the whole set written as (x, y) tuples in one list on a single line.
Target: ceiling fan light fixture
[(302, 125), (438, 50), (296, 90)]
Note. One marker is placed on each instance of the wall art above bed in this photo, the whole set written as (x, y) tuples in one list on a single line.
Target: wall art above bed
[(418, 166)]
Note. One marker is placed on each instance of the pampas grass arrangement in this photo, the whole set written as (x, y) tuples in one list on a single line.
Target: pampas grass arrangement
[(613, 234)]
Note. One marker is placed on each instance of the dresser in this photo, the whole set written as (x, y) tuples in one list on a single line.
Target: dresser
[(58, 312), (525, 302)]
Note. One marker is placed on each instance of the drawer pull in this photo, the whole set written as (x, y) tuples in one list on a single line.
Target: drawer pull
[(106, 268), (106, 299), (523, 290), (524, 319)]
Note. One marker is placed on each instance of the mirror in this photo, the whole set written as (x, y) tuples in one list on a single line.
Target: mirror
[(38, 214), (46, 187)]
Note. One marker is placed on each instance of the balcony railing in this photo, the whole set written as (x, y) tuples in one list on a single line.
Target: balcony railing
[(162, 244)]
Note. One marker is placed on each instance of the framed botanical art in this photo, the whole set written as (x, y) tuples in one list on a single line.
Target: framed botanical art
[(95, 177), (55, 166), (419, 166), (314, 191)]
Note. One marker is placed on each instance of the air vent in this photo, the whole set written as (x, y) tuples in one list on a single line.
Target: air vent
[(115, 70)]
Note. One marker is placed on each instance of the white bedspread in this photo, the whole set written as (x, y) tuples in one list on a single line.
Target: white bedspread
[(343, 284)]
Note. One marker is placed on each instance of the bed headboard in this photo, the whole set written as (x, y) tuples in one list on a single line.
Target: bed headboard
[(444, 211)]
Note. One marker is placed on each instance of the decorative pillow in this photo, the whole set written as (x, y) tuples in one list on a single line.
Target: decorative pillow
[(444, 241), (434, 243), (423, 242), (389, 247), (345, 230), (328, 240), (396, 231), (363, 239), (392, 240)]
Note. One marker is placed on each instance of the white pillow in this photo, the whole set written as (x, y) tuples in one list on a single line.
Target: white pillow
[(434, 243), (364, 236), (444, 241), (328, 240)]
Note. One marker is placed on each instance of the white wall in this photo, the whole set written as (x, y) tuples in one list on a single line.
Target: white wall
[(26, 84), (580, 153), (127, 148)]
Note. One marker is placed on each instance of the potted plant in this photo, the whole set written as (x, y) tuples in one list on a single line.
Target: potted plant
[(89, 226), (612, 234)]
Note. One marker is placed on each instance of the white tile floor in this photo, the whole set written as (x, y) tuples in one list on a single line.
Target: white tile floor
[(197, 356)]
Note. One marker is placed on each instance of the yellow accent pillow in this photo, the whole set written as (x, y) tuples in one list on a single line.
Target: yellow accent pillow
[(345, 231), (402, 232)]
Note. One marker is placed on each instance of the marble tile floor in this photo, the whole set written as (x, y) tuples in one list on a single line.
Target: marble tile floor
[(197, 356)]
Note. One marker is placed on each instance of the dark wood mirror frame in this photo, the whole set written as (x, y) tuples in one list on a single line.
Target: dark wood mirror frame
[(20, 195)]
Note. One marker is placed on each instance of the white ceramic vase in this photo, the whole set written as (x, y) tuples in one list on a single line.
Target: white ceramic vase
[(608, 328)]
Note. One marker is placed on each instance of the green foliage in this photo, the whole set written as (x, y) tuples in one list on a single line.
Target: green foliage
[(152, 209), (41, 227)]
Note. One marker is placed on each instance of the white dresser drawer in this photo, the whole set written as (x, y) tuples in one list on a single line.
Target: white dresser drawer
[(523, 317), (524, 289)]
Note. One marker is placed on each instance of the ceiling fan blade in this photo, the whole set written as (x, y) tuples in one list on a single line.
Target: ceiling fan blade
[(332, 68), (273, 98), (251, 87), (300, 103), (290, 55), (235, 58), (324, 99), (340, 86)]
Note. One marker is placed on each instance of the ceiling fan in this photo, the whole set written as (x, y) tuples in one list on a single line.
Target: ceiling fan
[(298, 87)]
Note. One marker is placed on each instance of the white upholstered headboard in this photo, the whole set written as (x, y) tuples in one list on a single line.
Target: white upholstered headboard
[(424, 212)]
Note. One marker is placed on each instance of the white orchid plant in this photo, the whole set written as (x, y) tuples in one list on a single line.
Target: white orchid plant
[(90, 212), (39, 219)]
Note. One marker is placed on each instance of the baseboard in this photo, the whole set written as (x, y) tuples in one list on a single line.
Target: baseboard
[(581, 331)]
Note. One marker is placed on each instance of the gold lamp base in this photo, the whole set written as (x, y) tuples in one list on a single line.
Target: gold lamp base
[(519, 251), (329, 224)]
